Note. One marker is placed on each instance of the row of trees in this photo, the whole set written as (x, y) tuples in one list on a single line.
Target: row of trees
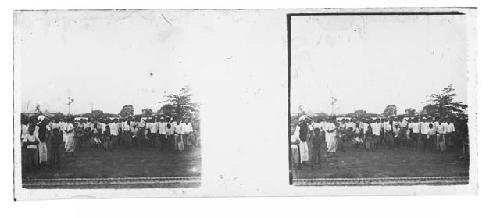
[(178, 106), (440, 105)]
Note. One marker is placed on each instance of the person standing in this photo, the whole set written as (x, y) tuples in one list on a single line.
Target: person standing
[(190, 134), (113, 130), (168, 131), (178, 136), (376, 128), (303, 130), (57, 142), (369, 139), (318, 139), (171, 136), (134, 129), (42, 136), (396, 131), (424, 130), (106, 139), (431, 136), (184, 134), (441, 140), (330, 137), (415, 133), (24, 129), (162, 130), (31, 142), (70, 141), (153, 131), (141, 134), (450, 131), (126, 138)]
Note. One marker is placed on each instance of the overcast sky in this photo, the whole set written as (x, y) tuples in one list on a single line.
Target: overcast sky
[(369, 62), (110, 58)]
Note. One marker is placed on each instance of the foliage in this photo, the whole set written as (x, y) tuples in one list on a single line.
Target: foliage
[(442, 105), (180, 105), (390, 110), (147, 112), (127, 111), (410, 112)]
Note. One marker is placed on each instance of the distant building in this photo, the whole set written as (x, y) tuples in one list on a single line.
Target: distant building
[(360, 113), (410, 112)]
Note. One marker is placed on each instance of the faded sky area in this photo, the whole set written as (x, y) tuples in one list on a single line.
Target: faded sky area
[(111, 58), (369, 62)]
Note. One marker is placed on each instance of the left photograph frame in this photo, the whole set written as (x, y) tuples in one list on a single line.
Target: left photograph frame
[(105, 99)]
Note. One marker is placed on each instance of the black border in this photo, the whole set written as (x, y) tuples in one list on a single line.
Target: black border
[(289, 53)]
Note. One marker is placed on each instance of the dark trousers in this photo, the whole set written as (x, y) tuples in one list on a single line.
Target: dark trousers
[(32, 158), (170, 143), (55, 155), (114, 142), (188, 142), (316, 157), (429, 142), (134, 141), (154, 139), (417, 140), (162, 142)]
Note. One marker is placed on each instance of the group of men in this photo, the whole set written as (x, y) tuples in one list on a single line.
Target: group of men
[(420, 134), (165, 133), (42, 138)]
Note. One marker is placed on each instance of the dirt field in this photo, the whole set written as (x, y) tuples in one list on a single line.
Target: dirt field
[(397, 162), (124, 162)]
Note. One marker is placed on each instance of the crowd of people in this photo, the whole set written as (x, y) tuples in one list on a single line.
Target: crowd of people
[(419, 134), (43, 140)]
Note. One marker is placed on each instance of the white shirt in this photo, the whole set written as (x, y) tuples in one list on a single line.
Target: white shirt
[(125, 126), (330, 126), (189, 128), (87, 125), (375, 128), (24, 131), (404, 123), (162, 128), (183, 128), (103, 127), (432, 130), (415, 127), (350, 125), (387, 126), (169, 131), (113, 129), (365, 127), (424, 128), (451, 128), (441, 128), (31, 138), (153, 127), (142, 124)]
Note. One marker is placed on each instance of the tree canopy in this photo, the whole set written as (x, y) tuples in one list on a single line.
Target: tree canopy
[(147, 112), (442, 105), (390, 110), (127, 111), (180, 105)]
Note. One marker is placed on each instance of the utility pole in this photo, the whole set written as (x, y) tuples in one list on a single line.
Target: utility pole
[(332, 103), (70, 101)]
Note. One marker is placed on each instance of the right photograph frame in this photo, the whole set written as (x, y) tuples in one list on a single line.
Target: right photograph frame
[(381, 98)]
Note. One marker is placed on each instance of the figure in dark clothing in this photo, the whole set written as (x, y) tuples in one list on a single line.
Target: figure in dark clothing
[(318, 139), (55, 151)]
